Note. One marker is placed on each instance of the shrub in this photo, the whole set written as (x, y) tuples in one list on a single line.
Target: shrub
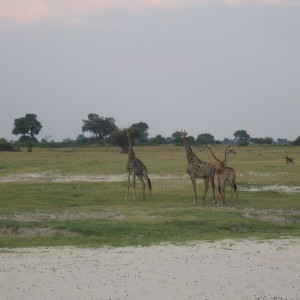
[(5, 145)]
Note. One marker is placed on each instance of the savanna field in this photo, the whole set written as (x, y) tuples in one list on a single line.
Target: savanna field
[(76, 197)]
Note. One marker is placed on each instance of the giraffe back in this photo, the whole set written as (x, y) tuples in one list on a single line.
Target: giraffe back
[(200, 169)]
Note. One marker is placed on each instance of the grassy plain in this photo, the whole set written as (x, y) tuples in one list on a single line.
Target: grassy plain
[(45, 210)]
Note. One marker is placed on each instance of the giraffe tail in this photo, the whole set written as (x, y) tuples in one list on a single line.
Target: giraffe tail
[(149, 184), (234, 187)]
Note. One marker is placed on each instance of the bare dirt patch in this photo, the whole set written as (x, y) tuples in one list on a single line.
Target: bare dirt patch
[(276, 216), (52, 177), (47, 177), (274, 187)]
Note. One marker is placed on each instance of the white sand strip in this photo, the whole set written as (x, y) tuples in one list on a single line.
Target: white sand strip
[(227, 269)]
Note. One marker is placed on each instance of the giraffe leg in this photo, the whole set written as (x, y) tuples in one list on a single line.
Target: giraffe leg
[(231, 191), (148, 181), (134, 187), (220, 196), (237, 196), (221, 187), (149, 186), (213, 188), (206, 187), (235, 190), (128, 185), (141, 179), (195, 191), (220, 192), (223, 196), (217, 191), (223, 193)]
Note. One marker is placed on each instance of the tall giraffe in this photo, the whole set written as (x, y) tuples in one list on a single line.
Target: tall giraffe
[(136, 168), (198, 169), (221, 171)]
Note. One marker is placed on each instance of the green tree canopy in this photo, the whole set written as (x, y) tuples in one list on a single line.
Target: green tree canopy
[(158, 140), (242, 137), (101, 127), (177, 137), (205, 139), (142, 127), (27, 125), (261, 141), (5, 145), (119, 138), (178, 140)]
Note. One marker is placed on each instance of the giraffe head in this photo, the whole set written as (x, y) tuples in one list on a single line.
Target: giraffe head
[(230, 150), (183, 134)]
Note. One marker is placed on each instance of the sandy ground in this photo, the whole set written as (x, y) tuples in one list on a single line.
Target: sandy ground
[(247, 269)]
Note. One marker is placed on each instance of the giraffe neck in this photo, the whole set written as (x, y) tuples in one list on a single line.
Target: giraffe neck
[(216, 162), (131, 154), (225, 161), (189, 151)]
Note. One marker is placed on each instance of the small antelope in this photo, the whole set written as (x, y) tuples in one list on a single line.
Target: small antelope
[(289, 160)]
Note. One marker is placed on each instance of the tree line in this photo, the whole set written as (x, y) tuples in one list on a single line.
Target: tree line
[(104, 131)]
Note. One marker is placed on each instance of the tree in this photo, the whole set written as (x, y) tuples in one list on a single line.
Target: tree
[(296, 142), (177, 138), (101, 127), (27, 125), (261, 141), (205, 139), (191, 139), (282, 141), (119, 138), (242, 137), (158, 140), (143, 127)]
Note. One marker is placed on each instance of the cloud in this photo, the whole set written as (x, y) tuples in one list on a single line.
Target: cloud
[(70, 11), (47, 10), (23, 11)]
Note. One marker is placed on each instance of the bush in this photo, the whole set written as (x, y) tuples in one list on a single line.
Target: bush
[(5, 145)]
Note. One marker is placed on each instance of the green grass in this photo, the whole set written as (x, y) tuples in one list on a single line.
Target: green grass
[(99, 215)]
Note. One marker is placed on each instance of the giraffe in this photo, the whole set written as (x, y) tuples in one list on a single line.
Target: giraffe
[(136, 168), (229, 175), (198, 169), (220, 167)]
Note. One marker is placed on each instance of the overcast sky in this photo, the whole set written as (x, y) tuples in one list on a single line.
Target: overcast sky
[(204, 66)]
